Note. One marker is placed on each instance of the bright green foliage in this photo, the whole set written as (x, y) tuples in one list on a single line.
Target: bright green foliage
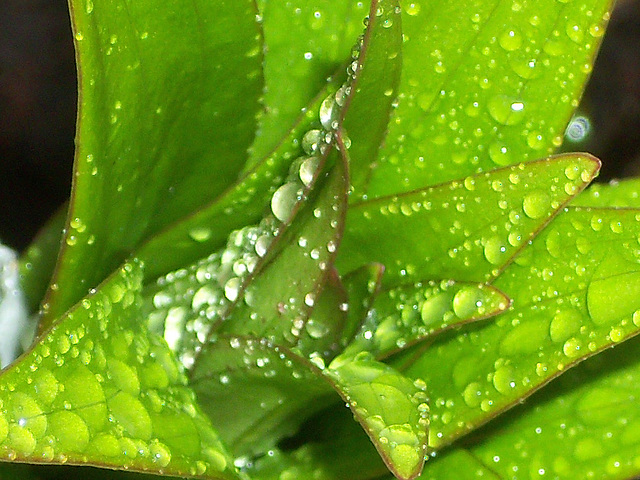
[(392, 409), (147, 140), (404, 315), (98, 385), (331, 214), (475, 225), (473, 76)]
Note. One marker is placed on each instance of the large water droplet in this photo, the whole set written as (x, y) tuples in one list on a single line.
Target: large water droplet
[(564, 324), (536, 204), (284, 200)]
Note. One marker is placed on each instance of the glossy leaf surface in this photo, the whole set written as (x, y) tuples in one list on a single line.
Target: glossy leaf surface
[(405, 315), (378, 69), (97, 388), (467, 229), (574, 293), (307, 42), (473, 75), (256, 392), (158, 142), (392, 409), (584, 425)]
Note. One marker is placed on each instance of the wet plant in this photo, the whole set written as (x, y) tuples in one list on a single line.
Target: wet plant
[(330, 240)]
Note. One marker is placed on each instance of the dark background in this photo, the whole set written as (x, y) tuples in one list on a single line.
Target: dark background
[(38, 102)]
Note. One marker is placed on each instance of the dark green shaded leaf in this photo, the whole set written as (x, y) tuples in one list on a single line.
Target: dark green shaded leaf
[(363, 286), (165, 119), (338, 449), (467, 229), (244, 203), (474, 74), (278, 301), (255, 393)]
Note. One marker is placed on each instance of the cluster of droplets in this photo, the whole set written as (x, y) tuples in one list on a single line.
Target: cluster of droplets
[(189, 302), (403, 442), (109, 401)]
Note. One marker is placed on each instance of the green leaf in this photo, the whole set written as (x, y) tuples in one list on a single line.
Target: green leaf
[(244, 203), (278, 301), (405, 315), (584, 425), (472, 80), (155, 140), (467, 230), (392, 409), (574, 293), (362, 286), (615, 194), (378, 68), (256, 393), (38, 262), (305, 43), (98, 389), (339, 449)]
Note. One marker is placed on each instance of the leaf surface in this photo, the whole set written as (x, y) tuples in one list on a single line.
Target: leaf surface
[(255, 393), (584, 425), (620, 194), (473, 75), (305, 43), (157, 143), (98, 389), (468, 229), (574, 293), (405, 315), (369, 104), (392, 409)]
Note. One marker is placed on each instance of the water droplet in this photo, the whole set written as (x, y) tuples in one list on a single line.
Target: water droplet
[(160, 454), (284, 200), (564, 324), (232, 288), (510, 40), (467, 301), (506, 110), (308, 168), (472, 394), (504, 379), (575, 32), (495, 251), (412, 8), (200, 234), (71, 432), (312, 140), (616, 334), (572, 348), (129, 412), (536, 204), (500, 153), (328, 113)]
